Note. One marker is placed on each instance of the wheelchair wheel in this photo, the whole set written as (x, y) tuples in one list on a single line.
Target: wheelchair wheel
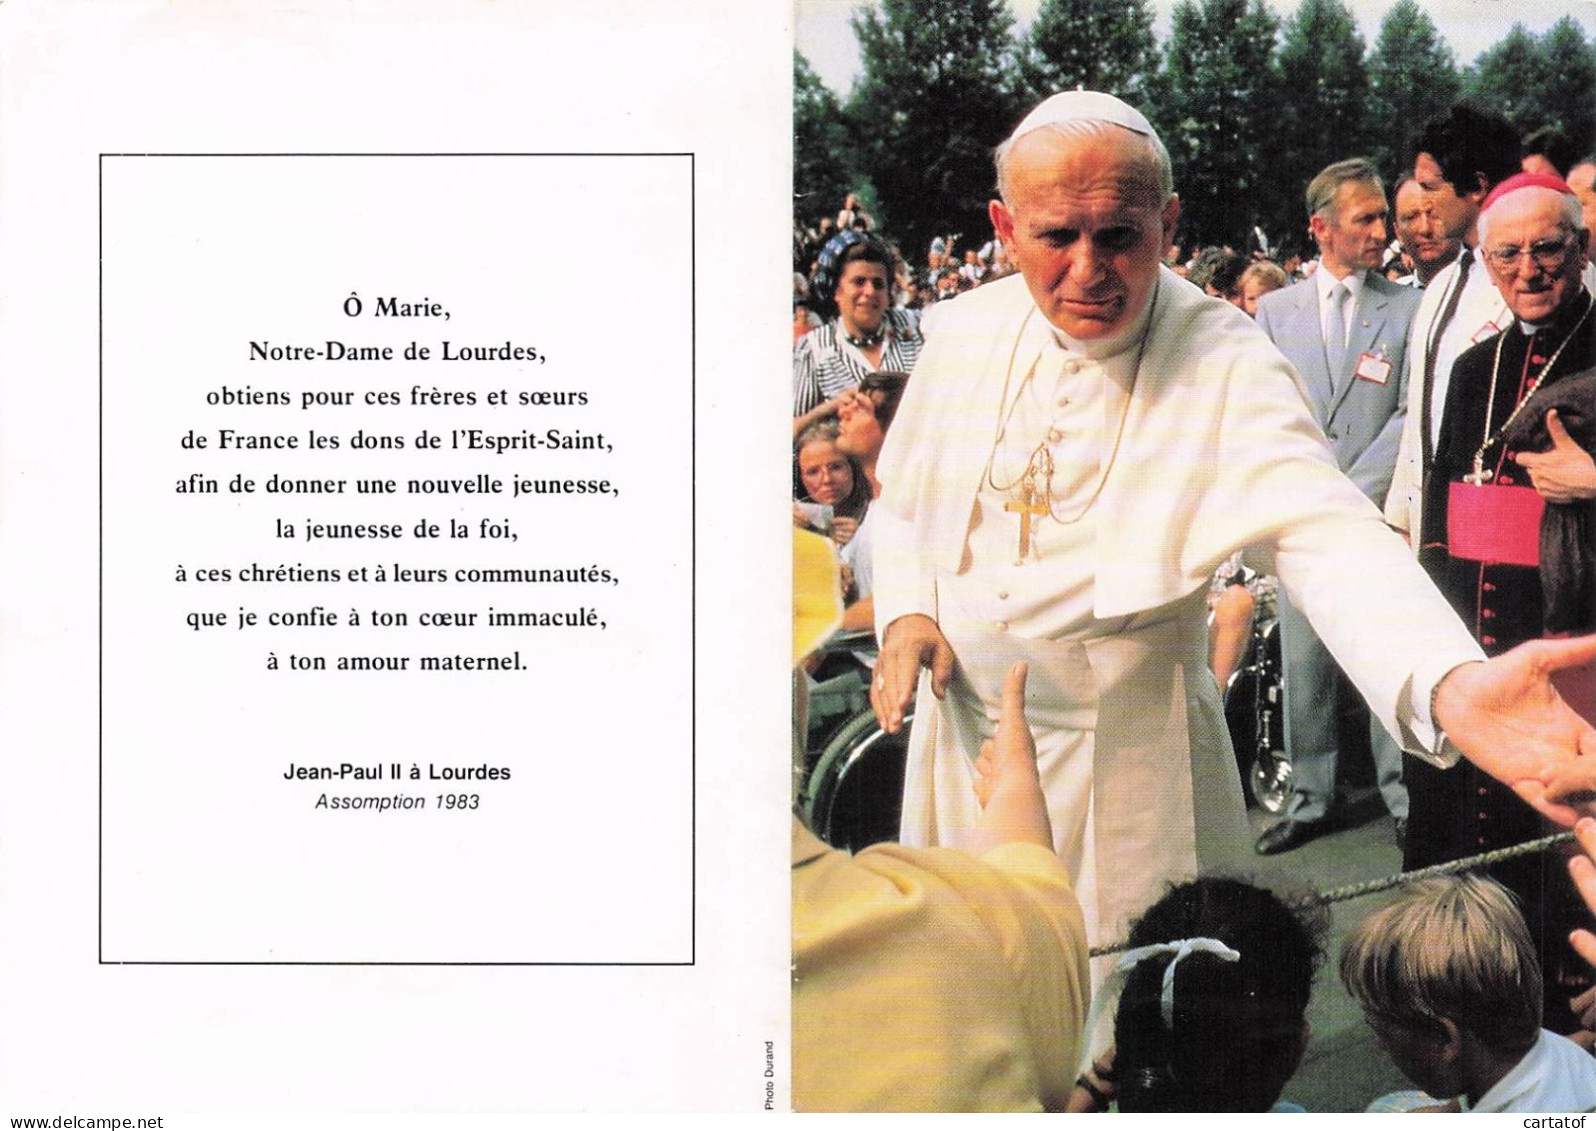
[(854, 795), (1270, 781), (1255, 715)]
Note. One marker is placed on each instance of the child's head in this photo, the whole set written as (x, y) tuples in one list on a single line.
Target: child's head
[(1447, 965), (1229, 1030)]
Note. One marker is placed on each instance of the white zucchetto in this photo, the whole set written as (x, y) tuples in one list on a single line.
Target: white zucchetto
[(1083, 106)]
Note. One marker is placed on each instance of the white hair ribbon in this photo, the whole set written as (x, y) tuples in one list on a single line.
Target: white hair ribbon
[(1180, 948), (1100, 1019)]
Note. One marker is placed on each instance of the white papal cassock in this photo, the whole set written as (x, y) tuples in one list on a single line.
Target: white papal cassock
[(1180, 441)]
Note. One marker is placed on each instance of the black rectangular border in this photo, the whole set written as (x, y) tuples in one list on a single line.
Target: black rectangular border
[(692, 192)]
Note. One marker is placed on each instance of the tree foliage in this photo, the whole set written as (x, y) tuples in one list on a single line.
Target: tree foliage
[(1324, 89), (1541, 82), (1413, 77), (1249, 110), (1568, 87), (1218, 115), (821, 166), (937, 92), (1086, 44), (1507, 78)]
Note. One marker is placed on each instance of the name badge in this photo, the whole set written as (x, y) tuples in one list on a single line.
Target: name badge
[(1373, 367)]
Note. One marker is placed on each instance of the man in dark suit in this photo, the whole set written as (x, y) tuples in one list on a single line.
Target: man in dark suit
[(1345, 330)]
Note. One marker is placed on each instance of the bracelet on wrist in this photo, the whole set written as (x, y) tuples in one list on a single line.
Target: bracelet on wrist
[(1100, 1098)]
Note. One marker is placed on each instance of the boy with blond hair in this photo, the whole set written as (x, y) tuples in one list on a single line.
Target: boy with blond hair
[(1448, 979)]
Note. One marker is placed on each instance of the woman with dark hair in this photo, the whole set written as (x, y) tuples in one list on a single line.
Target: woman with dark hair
[(832, 493), (1211, 1016), (866, 334)]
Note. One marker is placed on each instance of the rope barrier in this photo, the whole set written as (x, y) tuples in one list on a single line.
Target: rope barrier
[(1371, 887)]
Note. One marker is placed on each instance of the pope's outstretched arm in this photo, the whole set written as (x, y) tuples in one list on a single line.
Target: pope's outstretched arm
[(904, 577)]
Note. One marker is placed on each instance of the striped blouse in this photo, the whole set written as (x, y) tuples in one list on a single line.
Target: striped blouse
[(824, 364)]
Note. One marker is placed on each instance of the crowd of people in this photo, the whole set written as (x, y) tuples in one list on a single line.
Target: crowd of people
[(1087, 429)]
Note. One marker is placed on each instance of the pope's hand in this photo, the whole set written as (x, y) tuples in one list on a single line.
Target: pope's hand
[(1507, 719), (1565, 473), (910, 642)]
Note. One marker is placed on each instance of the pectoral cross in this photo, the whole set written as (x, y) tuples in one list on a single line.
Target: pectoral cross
[(1031, 504), (1481, 474)]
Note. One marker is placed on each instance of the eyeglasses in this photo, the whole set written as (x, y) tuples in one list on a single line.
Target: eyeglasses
[(1547, 254)]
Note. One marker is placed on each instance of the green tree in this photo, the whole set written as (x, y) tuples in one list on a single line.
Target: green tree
[(1413, 77), (1217, 115), (935, 95), (1567, 92), (822, 166), (1087, 44), (1508, 78), (1323, 94)]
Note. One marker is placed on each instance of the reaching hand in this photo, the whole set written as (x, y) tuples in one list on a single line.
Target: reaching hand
[(910, 642), (1507, 719), (1011, 750), (1564, 473), (1013, 807), (843, 530), (1583, 1006), (1583, 871)]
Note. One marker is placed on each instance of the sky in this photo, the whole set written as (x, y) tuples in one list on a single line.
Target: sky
[(1470, 26)]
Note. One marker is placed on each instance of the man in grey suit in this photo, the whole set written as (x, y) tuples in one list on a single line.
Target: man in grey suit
[(1345, 330)]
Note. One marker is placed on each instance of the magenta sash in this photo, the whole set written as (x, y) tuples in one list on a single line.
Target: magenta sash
[(1486, 523)]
